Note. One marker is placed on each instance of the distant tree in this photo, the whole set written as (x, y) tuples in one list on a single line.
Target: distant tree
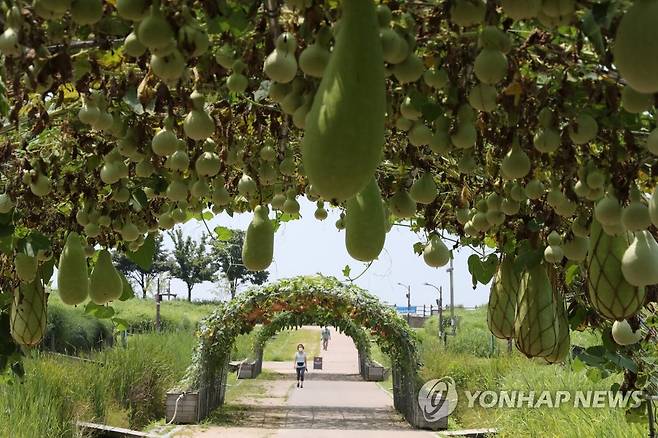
[(138, 276), (227, 252), (192, 262)]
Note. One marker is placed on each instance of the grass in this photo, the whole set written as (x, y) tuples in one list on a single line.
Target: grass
[(125, 388), (283, 346), (469, 359), (72, 331)]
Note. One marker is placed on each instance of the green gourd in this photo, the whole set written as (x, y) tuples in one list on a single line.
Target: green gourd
[(28, 318), (467, 13), (608, 211), (40, 185), (503, 295), (409, 70), (176, 190), (424, 189), (640, 259), (281, 65), (436, 254), (609, 292), (575, 249), (258, 248), (483, 97), (623, 334), (72, 277), (563, 346), (25, 266), (365, 224), (208, 164), (344, 135), (635, 102), (86, 11), (546, 140), (635, 216), (133, 10), (59, 6), (401, 205), (516, 163), (490, 66), (635, 50), (584, 129), (132, 46), (436, 78), (169, 67), (198, 124), (105, 283), (154, 31), (535, 330), (6, 204), (535, 189), (314, 59), (521, 9), (420, 135)]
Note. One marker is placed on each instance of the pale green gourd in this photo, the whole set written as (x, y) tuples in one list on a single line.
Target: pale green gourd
[(344, 135), (424, 189), (436, 254), (640, 259), (105, 283), (365, 224), (72, 277), (258, 248)]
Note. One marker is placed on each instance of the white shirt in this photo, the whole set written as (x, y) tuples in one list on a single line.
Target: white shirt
[(300, 357)]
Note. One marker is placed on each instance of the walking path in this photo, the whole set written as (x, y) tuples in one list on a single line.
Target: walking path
[(335, 402)]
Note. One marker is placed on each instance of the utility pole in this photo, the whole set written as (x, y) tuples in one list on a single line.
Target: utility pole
[(158, 300), (408, 295), (439, 304), (452, 299)]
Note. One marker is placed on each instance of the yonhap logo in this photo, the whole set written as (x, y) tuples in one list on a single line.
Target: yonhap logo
[(438, 399)]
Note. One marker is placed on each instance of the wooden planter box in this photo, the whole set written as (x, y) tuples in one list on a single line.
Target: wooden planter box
[(374, 372), (188, 408), (248, 370)]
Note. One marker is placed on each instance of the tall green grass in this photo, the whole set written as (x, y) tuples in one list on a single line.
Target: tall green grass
[(471, 362), (125, 388), (70, 330)]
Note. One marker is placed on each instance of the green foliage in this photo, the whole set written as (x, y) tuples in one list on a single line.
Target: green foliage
[(143, 266), (227, 251), (193, 263), (125, 388)]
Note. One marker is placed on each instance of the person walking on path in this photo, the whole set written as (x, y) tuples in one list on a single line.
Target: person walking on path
[(326, 335), (300, 365)]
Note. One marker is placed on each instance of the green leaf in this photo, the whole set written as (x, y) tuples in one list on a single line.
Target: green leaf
[(139, 200), (419, 247), (207, 215), (143, 257), (120, 325), (47, 270), (572, 273), (223, 234), (346, 271), (101, 312), (128, 292)]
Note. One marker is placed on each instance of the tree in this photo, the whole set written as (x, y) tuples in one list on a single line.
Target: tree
[(228, 253), (192, 262), (139, 276)]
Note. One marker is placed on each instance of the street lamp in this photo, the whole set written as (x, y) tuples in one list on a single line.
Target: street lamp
[(408, 301), (439, 303), (452, 299)]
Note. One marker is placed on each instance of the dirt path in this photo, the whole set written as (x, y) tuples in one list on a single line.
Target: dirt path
[(335, 402)]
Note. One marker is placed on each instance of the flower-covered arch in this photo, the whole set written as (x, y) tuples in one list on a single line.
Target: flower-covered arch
[(297, 301)]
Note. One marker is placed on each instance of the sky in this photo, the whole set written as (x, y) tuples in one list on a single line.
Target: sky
[(308, 246)]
